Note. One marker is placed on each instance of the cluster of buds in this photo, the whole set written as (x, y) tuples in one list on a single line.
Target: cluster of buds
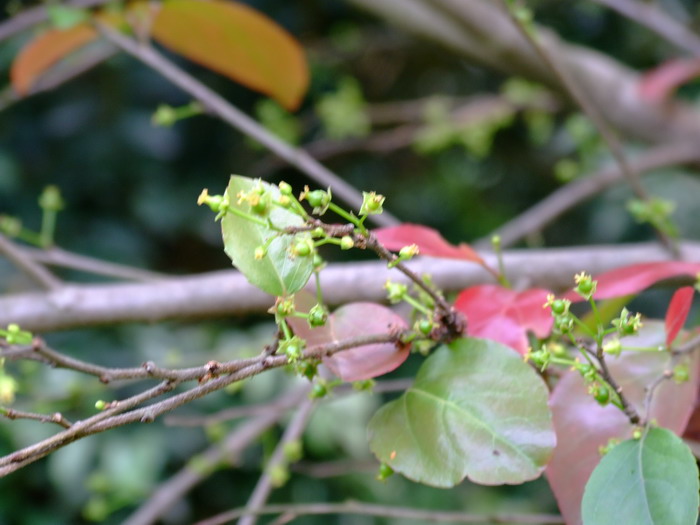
[(396, 292), (14, 335)]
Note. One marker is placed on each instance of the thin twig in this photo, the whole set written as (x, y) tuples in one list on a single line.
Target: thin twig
[(218, 106), (598, 120), (265, 484), (116, 414), (252, 410), (537, 217), (385, 511), (202, 465), (651, 16), (36, 15), (36, 271), (59, 257), (57, 417)]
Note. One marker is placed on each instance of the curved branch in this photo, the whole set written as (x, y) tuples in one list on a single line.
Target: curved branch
[(481, 31), (565, 198)]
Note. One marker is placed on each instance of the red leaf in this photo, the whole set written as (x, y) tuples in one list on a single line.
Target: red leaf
[(429, 242), (44, 51), (350, 321), (659, 84), (677, 312), (630, 280), (503, 315), (582, 425), (238, 42)]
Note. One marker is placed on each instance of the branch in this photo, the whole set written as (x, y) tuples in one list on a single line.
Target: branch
[(385, 511), (36, 15), (265, 484), (116, 415), (479, 30), (228, 292), (219, 107), (652, 17), (27, 265), (537, 217), (592, 111), (55, 256), (202, 465)]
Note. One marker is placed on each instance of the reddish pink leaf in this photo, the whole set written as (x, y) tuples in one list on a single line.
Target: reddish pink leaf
[(429, 242), (582, 425), (677, 312), (503, 315), (630, 280), (354, 320), (659, 84)]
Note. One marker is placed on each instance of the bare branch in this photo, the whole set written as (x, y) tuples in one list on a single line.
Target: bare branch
[(211, 459), (593, 112), (652, 17), (403, 513), (36, 15), (481, 31), (265, 484), (537, 217), (228, 292), (57, 417), (219, 107), (55, 256), (36, 271)]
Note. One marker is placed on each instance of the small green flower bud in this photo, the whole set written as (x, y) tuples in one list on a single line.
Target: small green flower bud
[(558, 307), (317, 198), (600, 393), (318, 391), (346, 243), (317, 316), (16, 336), (216, 203), (50, 199), (585, 286), (285, 307), (425, 326), (10, 226), (318, 232), (260, 253), (164, 116), (613, 347), (384, 472), (564, 323), (301, 248), (293, 352), (407, 252), (259, 203), (319, 263), (100, 404), (371, 203), (284, 201), (285, 188), (293, 451), (681, 373), (365, 385), (279, 475), (395, 291), (307, 369)]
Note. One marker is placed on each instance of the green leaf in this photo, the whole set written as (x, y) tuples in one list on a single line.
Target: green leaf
[(278, 273), (475, 410), (65, 17), (652, 480)]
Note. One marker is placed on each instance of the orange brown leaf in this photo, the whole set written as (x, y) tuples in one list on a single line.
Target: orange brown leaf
[(44, 51), (238, 42)]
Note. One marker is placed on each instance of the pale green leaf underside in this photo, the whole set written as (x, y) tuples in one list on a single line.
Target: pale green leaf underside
[(278, 273), (649, 481), (476, 410)]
